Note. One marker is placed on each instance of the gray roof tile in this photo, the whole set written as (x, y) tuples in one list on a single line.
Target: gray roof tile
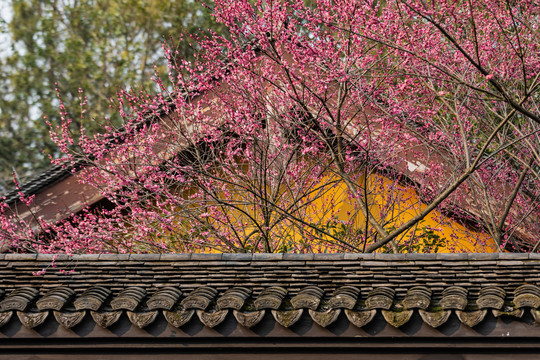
[(143, 275)]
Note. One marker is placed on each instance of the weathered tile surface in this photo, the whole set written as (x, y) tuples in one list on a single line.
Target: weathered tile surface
[(381, 281)]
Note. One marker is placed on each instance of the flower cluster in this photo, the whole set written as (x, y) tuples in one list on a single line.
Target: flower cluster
[(334, 126)]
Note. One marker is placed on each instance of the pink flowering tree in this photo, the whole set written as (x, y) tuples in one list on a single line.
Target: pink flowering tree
[(308, 128)]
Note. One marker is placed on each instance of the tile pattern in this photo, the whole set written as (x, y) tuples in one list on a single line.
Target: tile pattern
[(50, 176), (249, 286)]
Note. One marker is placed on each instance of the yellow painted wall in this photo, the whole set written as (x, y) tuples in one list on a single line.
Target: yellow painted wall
[(395, 204), (390, 203)]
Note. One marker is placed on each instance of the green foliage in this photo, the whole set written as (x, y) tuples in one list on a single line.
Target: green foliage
[(97, 45), (425, 239)]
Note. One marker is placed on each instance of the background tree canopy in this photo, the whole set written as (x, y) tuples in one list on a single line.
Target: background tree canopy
[(98, 46)]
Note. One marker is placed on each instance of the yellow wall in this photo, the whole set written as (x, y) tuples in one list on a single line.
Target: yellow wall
[(390, 203), (395, 204)]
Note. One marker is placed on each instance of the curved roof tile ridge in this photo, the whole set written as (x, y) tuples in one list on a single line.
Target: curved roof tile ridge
[(188, 295)]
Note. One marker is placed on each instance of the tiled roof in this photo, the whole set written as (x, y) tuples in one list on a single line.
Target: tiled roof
[(41, 181), (178, 288), (58, 172)]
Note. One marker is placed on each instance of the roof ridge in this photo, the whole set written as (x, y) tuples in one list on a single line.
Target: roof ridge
[(274, 257)]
